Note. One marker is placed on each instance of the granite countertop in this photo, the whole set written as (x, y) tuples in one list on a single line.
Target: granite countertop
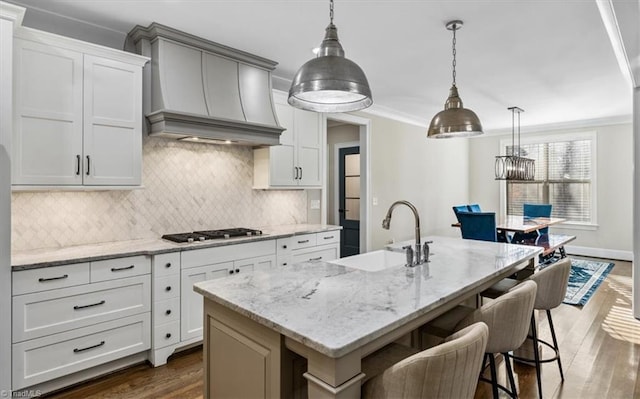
[(335, 309), (23, 260)]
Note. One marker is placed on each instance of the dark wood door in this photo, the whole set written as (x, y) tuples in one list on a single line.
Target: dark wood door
[(349, 200)]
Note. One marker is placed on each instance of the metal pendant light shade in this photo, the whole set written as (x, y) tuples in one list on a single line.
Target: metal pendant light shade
[(454, 120), (330, 82)]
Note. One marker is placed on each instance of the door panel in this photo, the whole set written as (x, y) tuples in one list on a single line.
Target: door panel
[(349, 200)]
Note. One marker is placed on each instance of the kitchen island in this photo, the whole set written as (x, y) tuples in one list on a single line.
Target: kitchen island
[(334, 315)]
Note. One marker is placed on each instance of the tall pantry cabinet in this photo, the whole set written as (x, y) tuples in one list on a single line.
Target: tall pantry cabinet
[(78, 113)]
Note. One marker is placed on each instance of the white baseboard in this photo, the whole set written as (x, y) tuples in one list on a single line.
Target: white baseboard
[(600, 253)]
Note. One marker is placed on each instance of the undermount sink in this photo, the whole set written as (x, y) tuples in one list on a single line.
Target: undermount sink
[(373, 261)]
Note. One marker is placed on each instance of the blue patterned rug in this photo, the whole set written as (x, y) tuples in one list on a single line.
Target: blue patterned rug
[(585, 278)]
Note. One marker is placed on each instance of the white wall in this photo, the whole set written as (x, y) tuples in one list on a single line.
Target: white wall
[(614, 186), (432, 174), (636, 202)]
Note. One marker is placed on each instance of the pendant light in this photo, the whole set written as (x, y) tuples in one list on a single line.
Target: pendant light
[(514, 167), (455, 120), (330, 82)]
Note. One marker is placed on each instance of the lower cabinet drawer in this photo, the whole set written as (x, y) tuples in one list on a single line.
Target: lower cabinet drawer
[(322, 253), (165, 287), (166, 311), (50, 312), (166, 334), (57, 355), (120, 267)]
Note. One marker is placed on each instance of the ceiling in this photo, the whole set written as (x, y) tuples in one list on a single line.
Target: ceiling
[(554, 59)]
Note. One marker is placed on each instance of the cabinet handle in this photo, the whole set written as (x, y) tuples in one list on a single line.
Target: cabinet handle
[(88, 164), (328, 237), (300, 174), (303, 242), (284, 264), (312, 259), (119, 269), (168, 312), (168, 265), (296, 175), (168, 288), (42, 279), (78, 307), (78, 160), (76, 350), (168, 335)]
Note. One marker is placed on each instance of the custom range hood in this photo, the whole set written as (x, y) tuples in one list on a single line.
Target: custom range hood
[(195, 89)]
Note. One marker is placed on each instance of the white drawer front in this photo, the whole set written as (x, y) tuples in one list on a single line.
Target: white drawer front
[(166, 334), (329, 237), (324, 253), (50, 312), (54, 356), (49, 278), (227, 253), (303, 241), (166, 311), (120, 268), (166, 264), (166, 287)]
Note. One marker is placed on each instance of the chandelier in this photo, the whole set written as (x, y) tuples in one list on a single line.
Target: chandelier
[(514, 167)]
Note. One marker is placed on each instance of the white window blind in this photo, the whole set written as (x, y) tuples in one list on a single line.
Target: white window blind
[(563, 178)]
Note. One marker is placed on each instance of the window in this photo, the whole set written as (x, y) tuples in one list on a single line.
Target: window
[(565, 168)]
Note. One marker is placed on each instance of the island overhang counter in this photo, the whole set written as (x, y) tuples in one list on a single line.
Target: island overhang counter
[(334, 316)]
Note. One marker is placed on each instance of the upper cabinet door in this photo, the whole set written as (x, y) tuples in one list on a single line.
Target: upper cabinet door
[(112, 122), (309, 140), (47, 139)]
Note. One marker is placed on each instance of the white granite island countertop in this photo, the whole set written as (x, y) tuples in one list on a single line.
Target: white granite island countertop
[(31, 259), (335, 309)]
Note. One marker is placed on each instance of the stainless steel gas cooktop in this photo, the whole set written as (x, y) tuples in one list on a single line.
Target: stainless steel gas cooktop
[(211, 234)]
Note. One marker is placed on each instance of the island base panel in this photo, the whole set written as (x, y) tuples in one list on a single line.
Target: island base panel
[(241, 357)]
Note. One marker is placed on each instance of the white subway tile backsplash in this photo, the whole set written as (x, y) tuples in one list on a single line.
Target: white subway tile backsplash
[(187, 186)]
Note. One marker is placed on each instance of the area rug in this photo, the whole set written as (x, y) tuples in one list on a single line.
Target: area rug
[(585, 278)]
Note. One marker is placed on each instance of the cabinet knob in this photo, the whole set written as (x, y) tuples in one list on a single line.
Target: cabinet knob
[(168, 312), (231, 271), (284, 264), (168, 288), (284, 246), (168, 265), (237, 270), (168, 335)]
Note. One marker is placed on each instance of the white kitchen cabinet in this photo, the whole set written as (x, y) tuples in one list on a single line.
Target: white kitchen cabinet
[(324, 246), (297, 161), (77, 115), (70, 318)]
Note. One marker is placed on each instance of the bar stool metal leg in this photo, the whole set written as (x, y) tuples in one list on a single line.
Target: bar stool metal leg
[(555, 343), (536, 353)]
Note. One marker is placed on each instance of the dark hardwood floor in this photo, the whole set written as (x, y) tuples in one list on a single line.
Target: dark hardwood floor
[(599, 345)]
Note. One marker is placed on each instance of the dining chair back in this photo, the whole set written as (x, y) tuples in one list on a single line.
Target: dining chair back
[(466, 208), (538, 211), (474, 208), (478, 225)]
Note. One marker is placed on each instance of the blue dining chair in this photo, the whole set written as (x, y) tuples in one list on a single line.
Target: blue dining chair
[(478, 225), (538, 211), (460, 208), (466, 208)]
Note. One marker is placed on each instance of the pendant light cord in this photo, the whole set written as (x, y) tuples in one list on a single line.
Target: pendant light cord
[(455, 28), (331, 11)]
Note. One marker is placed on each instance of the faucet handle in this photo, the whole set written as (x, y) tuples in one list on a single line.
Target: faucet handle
[(409, 252), (426, 251)]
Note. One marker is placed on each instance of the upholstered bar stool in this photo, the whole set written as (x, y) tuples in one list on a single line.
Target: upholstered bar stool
[(508, 319), (449, 370), (552, 284)]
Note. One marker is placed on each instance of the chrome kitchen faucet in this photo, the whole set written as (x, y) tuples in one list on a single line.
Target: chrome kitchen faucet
[(411, 260)]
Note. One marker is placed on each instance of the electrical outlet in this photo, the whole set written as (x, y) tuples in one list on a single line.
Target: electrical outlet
[(315, 204), (375, 201)]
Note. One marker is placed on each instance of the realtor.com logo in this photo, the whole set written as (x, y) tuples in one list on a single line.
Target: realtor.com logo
[(4, 393)]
